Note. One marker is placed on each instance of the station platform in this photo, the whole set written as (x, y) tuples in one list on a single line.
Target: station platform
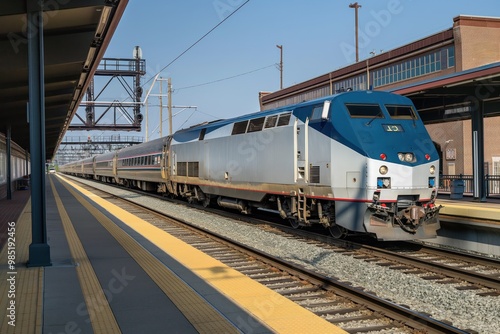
[(469, 225), (467, 207), (112, 272)]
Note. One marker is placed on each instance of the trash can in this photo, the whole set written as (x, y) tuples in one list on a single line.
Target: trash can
[(457, 189)]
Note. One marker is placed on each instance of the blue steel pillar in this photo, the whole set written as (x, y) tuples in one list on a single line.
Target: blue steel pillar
[(9, 163), (39, 250), (478, 152)]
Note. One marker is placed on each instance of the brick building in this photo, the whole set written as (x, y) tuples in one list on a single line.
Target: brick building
[(472, 42)]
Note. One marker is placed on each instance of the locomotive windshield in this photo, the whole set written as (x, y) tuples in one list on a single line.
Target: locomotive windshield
[(364, 110), (401, 112)]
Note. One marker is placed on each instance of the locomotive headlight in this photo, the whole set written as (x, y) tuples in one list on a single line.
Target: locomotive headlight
[(401, 156), (383, 170), (432, 169), (408, 157)]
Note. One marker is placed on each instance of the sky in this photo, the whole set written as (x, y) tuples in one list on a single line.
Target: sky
[(224, 72)]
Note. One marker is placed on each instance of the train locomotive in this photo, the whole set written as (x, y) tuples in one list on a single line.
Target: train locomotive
[(358, 162)]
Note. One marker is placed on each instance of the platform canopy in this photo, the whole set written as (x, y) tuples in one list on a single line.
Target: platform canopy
[(76, 34), (455, 96)]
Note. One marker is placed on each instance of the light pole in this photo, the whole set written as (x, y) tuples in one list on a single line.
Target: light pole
[(356, 6), (281, 65), (368, 71)]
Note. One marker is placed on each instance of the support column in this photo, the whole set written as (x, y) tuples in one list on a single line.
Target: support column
[(478, 152), (9, 161), (27, 162), (39, 250)]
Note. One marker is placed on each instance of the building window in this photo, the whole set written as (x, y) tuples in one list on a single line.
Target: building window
[(451, 56), (422, 65), (355, 83), (496, 166)]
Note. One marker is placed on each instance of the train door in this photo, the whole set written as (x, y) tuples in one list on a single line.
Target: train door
[(94, 176), (115, 167), (299, 204), (301, 150), (165, 162)]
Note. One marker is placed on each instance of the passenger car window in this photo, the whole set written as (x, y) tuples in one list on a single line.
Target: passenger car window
[(256, 124), (239, 127), (271, 121), (202, 134), (317, 111), (284, 119)]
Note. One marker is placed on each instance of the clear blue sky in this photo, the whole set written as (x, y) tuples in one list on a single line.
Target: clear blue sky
[(317, 37)]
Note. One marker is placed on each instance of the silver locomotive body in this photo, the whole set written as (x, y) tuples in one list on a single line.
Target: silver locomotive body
[(355, 162)]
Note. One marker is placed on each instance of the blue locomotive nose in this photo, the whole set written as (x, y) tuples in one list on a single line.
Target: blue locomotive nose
[(392, 133)]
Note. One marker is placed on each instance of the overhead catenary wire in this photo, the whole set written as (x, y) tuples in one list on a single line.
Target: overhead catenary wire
[(228, 78), (201, 38), (191, 46)]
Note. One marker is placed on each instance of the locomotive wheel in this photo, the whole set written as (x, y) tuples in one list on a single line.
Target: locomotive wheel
[(338, 232), (294, 222), (206, 201)]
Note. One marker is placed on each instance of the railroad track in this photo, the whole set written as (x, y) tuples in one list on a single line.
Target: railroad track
[(467, 271), (351, 308), (444, 266)]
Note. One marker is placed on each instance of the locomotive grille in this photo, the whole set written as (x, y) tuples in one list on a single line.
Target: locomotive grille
[(182, 168), (188, 169), (193, 169), (314, 174)]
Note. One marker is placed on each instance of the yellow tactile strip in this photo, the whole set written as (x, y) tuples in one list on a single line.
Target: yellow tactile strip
[(487, 211), (101, 316), (277, 312), (28, 284), (199, 313)]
